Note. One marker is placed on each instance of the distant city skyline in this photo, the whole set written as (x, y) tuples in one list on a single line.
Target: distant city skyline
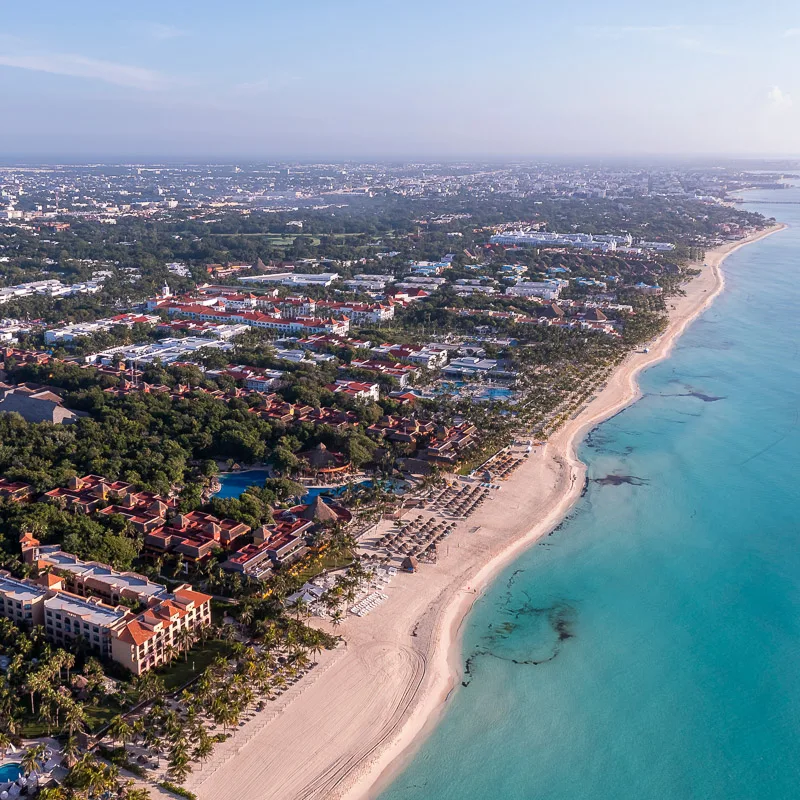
[(412, 80)]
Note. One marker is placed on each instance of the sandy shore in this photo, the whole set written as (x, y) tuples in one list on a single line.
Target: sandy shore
[(357, 719)]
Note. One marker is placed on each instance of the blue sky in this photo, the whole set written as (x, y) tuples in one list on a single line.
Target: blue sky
[(357, 79)]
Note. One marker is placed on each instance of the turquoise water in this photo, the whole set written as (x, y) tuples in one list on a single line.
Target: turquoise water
[(649, 649), (396, 486), (10, 772), (329, 491), (233, 484), (495, 393)]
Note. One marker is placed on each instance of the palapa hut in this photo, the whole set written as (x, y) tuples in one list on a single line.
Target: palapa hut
[(322, 461), (410, 564), (319, 511)]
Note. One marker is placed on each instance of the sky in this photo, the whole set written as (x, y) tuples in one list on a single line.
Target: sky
[(359, 79)]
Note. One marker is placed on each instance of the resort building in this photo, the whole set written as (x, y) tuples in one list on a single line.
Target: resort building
[(402, 373), (86, 494), (367, 283), (470, 365), (252, 560), (425, 357), (14, 491), (42, 406), (69, 333), (195, 535), (401, 429), (323, 279), (356, 389), (259, 380), (284, 542), (448, 444), (75, 599), (88, 578), (150, 639), (166, 351), (580, 241), (21, 601), (68, 618), (360, 313), (547, 289)]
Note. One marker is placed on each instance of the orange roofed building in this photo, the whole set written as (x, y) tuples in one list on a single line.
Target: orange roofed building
[(80, 599), (149, 639), (195, 535)]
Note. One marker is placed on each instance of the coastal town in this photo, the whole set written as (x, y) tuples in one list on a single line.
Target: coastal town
[(248, 414)]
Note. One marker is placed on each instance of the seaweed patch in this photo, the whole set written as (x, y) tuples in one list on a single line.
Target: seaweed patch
[(560, 623), (619, 480)]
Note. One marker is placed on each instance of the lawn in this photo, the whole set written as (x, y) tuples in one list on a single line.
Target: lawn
[(96, 717), (198, 658), (313, 567)]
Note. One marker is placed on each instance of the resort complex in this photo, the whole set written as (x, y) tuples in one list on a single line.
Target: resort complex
[(254, 457)]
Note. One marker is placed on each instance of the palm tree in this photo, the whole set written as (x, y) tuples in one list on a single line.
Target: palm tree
[(149, 686), (300, 607), (89, 778), (74, 719), (70, 750), (5, 743), (119, 730), (178, 767), (54, 793), (315, 643), (65, 661), (186, 639), (204, 747), (227, 633), (33, 684), (137, 793), (34, 759), (137, 729), (246, 615)]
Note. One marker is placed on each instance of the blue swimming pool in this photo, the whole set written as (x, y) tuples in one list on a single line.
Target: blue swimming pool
[(233, 484), (396, 486), (495, 393), (330, 491), (10, 771)]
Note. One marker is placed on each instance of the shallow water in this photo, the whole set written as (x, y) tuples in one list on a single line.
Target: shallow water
[(650, 647)]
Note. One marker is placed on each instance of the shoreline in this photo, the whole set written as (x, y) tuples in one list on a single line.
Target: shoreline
[(359, 723), (566, 442)]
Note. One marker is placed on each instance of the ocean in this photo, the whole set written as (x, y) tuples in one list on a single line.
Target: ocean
[(649, 648)]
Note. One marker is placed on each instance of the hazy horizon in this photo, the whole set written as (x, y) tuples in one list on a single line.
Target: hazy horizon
[(410, 81)]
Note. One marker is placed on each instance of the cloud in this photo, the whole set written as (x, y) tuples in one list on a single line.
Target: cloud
[(158, 30), (82, 67), (778, 99), (791, 33)]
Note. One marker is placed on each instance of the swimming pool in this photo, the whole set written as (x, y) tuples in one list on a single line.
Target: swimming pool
[(396, 486), (495, 393), (10, 771), (233, 484)]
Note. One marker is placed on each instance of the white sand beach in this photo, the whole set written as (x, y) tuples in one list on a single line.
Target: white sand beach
[(359, 715)]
